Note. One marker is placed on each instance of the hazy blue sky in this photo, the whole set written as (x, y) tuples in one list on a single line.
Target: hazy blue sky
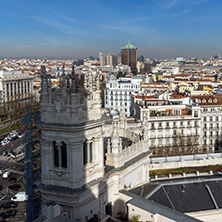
[(76, 29)]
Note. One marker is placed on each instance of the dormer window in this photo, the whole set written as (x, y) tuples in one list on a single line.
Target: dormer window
[(204, 101), (210, 100), (215, 100)]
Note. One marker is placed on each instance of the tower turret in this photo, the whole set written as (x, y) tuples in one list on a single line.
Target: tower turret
[(72, 153)]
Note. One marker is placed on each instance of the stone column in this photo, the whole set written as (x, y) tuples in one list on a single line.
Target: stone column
[(9, 87), (88, 150), (13, 89)]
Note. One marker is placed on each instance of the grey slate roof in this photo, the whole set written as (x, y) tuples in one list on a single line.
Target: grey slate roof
[(156, 208), (190, 197), (184, 196)]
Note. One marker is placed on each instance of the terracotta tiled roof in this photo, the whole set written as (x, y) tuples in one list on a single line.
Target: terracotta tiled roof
[(145, 97), (208, 100), (177, 96)]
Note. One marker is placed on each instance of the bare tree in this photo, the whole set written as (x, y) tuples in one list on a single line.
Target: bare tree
[(193, 144)]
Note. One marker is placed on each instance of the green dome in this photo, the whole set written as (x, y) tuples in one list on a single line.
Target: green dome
[(129, 46)]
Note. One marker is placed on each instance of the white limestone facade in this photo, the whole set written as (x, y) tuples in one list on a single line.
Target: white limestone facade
[(77, 173), (118, 92)]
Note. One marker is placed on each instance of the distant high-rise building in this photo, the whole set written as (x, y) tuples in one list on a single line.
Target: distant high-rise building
[(91, 58), (109, 59), (141, 58), (217, 57), (128, 55), (78, 62)]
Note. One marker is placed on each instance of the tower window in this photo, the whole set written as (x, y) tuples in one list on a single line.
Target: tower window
[(56, 154), (64, 154), (85, 153), (90, 152), (60, 154)]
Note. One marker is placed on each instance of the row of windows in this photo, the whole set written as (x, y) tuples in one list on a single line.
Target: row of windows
[(118, 92), (211, 109), (211, 118), (212, 133), (188, 141), (204, 100), (211, 125), (175, 124), (118, 104), (119, 97), (175, 132), (211, 142), (113, 85)]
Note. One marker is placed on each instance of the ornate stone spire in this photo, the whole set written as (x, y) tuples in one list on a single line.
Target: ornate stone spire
[(115, 139), (63, 70), (44, 79), (145, 127), (85, 82), (122, 116), (97, 82), (73, 70), (108, 146), (68, 82)]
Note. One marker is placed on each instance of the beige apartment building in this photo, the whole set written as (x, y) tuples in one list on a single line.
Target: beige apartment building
[(172, 129)]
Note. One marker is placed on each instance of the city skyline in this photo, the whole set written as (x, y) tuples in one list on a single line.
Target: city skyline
[(69, 30)]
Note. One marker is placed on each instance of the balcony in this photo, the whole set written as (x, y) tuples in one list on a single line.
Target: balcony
[(170, 117)]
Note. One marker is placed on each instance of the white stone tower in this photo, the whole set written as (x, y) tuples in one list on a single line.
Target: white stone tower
[(72, 155)]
